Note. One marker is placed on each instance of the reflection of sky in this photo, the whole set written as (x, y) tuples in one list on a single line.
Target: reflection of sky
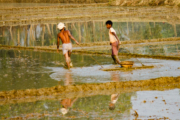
[(83, 30), (156, 48), (158, 108), (162, 68), (38, 31), (84, 74)]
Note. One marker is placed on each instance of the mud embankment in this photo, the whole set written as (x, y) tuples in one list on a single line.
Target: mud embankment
[(111, 2), (55, 1), (162, 83), (145, 2), (127, 69), (13, 15)]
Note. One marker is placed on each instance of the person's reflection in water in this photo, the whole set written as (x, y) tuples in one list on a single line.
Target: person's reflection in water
[(114, 97), (68, 102), (115, 76), (68, 78), (66, 105)]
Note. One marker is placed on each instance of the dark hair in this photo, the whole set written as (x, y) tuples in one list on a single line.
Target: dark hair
[(109, 22), (62, 29), (112, 107)]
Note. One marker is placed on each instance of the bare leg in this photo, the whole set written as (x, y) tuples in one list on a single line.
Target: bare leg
[(69, 55), (113, 59), (67, 59), (116, 59)]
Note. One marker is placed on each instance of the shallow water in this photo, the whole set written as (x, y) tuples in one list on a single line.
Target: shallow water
[(84, 32), (148, 104), (158, 48), (92, 74), (21, 69), (158, 104)]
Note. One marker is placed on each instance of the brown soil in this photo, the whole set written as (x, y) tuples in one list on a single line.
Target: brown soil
[(111, 2), (49, 14), (54, 1), (145, 2), (162, 83)]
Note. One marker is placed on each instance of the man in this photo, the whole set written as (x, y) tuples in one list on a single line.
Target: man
[(114, 41), (65, 36)]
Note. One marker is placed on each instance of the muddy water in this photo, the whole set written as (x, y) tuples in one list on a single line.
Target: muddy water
[(157, 48), (147, 104), (94, 75), (31, 69), (85, 32), (82, 108), (157, 104), (168, 49)]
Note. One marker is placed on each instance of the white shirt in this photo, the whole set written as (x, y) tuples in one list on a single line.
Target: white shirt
[(111, 36), (114, 98)]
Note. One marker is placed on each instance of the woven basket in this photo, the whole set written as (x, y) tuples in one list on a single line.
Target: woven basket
[(127, 64)]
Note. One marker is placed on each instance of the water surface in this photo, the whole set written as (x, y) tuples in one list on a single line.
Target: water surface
[(20, 69), (85, 32), (148, 104)]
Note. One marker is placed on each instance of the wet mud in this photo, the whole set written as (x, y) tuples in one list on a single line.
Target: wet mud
[(152, 84)]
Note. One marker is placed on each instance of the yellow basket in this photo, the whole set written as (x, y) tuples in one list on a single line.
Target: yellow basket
[(127, 64)]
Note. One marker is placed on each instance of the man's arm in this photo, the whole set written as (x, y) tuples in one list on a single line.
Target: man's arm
[(73, 38), (57, 43)]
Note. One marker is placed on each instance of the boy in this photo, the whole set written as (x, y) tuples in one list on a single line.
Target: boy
[(114, 98), (65, 36), (114, 41)]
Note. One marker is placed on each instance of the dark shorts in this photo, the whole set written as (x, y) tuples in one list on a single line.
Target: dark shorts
[(115, 48)]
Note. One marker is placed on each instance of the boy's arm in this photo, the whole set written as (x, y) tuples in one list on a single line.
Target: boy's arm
[(116, 37), (73, 38)]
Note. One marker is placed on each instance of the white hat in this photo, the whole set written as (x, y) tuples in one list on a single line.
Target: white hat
[(60, 26), (64, 111)]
